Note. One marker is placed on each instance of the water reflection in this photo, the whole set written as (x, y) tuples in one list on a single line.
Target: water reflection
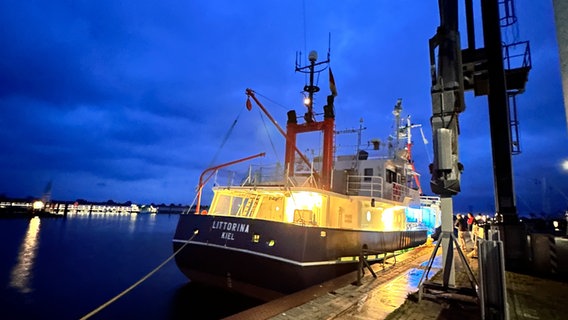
[(21, 274), (132, 225)]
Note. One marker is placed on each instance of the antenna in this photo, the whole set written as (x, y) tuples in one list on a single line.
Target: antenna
[(329, 46), (310, 88)]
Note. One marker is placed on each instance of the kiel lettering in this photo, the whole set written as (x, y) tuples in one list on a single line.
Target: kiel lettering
[(229, 228), (228, 236)]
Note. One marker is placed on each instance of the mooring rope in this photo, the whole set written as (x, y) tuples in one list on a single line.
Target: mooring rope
[(120, 295)]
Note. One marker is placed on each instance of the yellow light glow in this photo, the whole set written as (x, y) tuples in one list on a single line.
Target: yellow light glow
[(388, 218), (38, 205), (565, 165), (348, 258), (271, 243), (22, 271), (368, 216), (393, 218), (307, 101), (323, 234), (302, 200), (256, 238)]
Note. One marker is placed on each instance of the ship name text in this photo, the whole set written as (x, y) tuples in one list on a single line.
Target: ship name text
[(229, 228)]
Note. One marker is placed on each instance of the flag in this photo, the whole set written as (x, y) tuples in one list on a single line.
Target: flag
[(332, 87)]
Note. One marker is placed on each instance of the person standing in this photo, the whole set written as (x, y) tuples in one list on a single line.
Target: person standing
[(461, 225), (476, 233), (471, 226)]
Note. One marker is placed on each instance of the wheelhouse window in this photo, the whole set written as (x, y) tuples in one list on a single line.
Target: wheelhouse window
[(226, 204), (391, 176), (368, 173)]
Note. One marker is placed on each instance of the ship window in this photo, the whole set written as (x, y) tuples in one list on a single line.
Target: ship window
[(391, 176), (303, 216), (368, 173)]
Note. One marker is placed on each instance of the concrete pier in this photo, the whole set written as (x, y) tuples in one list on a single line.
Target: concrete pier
[(393, 295)]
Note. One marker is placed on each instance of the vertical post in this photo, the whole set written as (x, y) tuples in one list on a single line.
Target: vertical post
[(446, 207), (327, 165), (498, 113), (470, 24), (499, 121), (560, 13)]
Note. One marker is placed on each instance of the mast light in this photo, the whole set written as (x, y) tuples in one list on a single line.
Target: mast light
[(313, 56)]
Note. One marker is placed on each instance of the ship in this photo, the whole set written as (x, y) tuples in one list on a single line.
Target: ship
[(284, 228)]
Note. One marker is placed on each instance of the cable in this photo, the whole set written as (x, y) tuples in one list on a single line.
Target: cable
[(227, 135), (268, 134), (120, 295)]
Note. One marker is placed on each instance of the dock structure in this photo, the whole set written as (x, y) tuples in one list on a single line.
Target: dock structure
[(337, 298), (393, 295)]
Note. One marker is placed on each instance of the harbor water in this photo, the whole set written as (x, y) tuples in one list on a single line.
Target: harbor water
[(66, 268)]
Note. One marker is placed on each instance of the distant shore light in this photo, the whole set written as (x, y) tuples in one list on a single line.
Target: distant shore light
[(38, 205)]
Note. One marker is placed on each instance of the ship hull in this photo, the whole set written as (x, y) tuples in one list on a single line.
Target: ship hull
[(267, 259)]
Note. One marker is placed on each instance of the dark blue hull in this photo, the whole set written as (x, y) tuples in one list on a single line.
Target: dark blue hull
[(267, 259)]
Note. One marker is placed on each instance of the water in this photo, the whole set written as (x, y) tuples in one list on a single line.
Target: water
[(64, 268)]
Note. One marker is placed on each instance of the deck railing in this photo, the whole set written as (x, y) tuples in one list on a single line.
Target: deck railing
[(365, 186)]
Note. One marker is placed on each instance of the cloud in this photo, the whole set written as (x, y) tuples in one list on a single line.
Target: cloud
[(132, 100)]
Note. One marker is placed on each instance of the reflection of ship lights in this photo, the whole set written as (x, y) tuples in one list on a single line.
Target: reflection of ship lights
[(21, 273)]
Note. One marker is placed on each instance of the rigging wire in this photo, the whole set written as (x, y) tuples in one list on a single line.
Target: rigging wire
[(305, 36), (425, 142), (268, 134), (227, 135), (276, 103), (305, 26)]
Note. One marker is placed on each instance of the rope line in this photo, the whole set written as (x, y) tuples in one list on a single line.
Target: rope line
[(120, 295), (227, 135), (268, 134), (267, 98)]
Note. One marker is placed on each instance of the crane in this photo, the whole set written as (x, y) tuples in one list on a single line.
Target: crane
[(453, 72)]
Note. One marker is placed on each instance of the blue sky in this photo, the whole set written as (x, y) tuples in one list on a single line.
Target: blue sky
[(132, 100)]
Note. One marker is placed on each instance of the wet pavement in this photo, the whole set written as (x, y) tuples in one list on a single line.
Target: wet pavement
[(340, 298), (393, 295)]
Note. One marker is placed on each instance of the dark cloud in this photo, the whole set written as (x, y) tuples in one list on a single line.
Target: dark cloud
[(131, 100)]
